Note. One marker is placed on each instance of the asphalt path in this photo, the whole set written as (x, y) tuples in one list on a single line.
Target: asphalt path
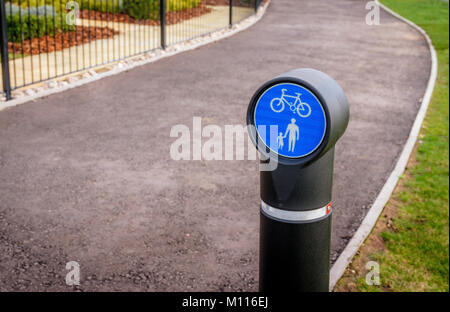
[(86, 174)]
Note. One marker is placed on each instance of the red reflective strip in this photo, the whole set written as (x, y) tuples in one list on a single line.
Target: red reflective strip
[(328, 208)]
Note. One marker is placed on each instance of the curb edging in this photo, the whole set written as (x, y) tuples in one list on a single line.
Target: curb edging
[(383, 197)]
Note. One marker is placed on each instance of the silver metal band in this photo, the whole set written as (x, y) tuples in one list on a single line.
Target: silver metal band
[(295, 216)]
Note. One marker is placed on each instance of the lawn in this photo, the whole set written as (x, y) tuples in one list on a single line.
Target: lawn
[(12, 56), (411, 239)]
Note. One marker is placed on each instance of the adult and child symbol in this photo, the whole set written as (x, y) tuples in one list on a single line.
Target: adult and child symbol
[(294, 134)]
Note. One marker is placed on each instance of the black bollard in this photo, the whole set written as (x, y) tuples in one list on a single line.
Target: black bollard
[(308, 112)]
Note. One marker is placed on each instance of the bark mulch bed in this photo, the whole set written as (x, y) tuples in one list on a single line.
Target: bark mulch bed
[(82, 35), (171, 17)]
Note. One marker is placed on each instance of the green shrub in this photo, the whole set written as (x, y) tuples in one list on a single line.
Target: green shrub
[(36, 3), (96, 5), (111, 6), (141, 9), (178, 5), (144, 9), (43, 10), (138, 9), (24, 26)]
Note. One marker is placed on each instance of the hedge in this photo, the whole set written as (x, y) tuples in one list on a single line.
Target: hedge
[(36, 18), (144, 9), (24, 23), (135, 8)]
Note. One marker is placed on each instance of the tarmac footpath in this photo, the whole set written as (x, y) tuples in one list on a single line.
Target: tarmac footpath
[(86, 174)]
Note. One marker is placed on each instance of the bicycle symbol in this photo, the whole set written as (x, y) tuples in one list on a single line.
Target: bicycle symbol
[(301, 108)]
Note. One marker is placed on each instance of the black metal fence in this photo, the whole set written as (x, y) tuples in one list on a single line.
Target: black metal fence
[(44, 39)]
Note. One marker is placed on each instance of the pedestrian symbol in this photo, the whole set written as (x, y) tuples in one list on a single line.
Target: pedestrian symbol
[(298, 115)]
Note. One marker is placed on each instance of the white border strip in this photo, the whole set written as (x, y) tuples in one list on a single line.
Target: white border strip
[(215, 36), (371, 218), (295, 216)]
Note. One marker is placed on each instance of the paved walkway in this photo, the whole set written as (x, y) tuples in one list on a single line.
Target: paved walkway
[(86, 174)]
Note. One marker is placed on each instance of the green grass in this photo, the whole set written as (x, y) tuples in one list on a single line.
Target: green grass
[(416, 257), (12, 56)]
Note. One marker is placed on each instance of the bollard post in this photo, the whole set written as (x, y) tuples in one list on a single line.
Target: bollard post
[(310, 113)]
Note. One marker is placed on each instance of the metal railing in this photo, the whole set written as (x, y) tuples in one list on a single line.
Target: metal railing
[(45, 39)]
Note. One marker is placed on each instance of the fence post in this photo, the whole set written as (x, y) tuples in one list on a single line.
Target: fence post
[(4, 52), (257, 2), (295, 210), (162, 13), (231, 14)]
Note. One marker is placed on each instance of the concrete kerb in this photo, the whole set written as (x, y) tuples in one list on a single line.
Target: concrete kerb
[(383, 197), (156, 55)]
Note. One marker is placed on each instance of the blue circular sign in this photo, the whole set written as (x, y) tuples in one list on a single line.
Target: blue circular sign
[(290, 120)]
